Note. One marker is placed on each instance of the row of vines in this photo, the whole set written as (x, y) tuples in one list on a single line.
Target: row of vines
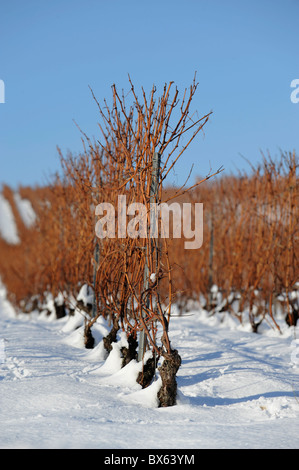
[(247, 263), (131, 276)]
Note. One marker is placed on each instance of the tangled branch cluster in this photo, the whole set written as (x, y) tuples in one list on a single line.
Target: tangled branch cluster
[(125, 272)]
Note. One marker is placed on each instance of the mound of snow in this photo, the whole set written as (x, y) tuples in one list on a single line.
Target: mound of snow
[(25, 210), (74, 322), (85, 295), (8, 228), (146, 397), (113, 362), (5, 306)]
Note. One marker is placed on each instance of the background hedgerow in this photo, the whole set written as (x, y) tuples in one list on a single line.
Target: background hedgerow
[(249, 251)]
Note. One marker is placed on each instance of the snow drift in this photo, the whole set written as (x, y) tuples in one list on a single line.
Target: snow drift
[(237, 389)]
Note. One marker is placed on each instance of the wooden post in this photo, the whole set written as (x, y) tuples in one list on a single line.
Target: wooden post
[(95, 268), (2, 92), (211, 259), (96, 257), (151, 245)]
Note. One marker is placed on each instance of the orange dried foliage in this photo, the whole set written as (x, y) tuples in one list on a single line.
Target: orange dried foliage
[(253, 219)]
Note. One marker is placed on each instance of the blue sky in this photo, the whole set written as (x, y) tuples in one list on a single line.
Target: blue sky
[(245, 54)]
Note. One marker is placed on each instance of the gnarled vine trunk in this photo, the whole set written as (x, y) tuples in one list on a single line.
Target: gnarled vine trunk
[(168, 392), (111, 337)]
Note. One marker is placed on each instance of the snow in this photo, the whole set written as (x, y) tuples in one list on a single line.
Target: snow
[(86, 295), (25, 210), (237, 389), (8, 228)]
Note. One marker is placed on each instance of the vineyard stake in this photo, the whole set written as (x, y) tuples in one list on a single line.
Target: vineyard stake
[(95, 269), (153, 199)]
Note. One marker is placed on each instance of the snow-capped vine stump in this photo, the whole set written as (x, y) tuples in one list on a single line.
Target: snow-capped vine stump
[(146, 376), (88, 338), (130, 352), (112, 336), (168, 391)]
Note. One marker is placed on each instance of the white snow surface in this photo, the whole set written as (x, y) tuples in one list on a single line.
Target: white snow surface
[(237, 389), (25, 210), (8, 227)]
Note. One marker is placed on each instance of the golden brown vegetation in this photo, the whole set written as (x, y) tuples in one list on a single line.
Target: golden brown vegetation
[(251, 242), (250, 248)]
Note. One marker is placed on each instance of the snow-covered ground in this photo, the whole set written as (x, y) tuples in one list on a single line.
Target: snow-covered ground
[(237, 389)]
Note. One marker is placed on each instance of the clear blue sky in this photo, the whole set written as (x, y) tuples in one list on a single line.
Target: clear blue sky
[(245, 53)]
